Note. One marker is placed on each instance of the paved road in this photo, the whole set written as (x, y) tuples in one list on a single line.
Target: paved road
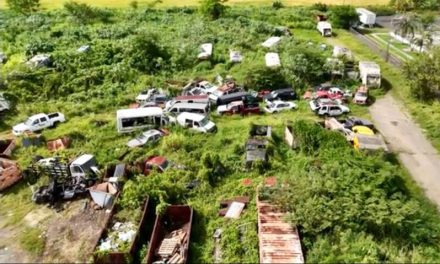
[(405, 137)]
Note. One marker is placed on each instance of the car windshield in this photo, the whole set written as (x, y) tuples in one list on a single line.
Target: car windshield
[(29, 122), (271, 105), (164, 165), (142, 137), (204, 122), (361, 94)]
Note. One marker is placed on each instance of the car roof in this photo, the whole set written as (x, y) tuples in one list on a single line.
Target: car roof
[(192, 116), (232, 95), (139, 112), (156, 160), (190, 105), (83, 159), (39, 115), (191, 97), (284, 90)]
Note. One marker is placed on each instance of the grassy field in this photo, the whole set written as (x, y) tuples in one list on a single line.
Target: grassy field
[(169, 3)]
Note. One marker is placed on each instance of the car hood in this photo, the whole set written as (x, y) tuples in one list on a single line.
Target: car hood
[(345, 109), (135, 143), (360, 97), (210, 126), (20, 127), (222, 108)]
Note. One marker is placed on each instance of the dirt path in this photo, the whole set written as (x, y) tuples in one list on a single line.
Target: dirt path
[(405, 137)]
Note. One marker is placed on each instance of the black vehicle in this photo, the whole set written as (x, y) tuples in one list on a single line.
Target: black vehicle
[(246, 97), (356, 121), (281, 94)]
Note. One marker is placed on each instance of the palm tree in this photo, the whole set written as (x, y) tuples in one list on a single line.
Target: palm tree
[(407, 25), (422, 40)]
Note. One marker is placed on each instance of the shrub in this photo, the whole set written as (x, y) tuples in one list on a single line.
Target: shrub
[(212, 9), (23, 6), (343, 16), (277, 5)]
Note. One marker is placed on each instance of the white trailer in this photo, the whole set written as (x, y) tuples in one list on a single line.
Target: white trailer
[(272, 60), (325, 28), (366, 17), (370, 74)]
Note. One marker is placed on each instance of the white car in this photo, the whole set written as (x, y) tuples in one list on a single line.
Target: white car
[(38, 122), (151, 135), (197, 122), (317, 103), (332, 110), (278, 106)]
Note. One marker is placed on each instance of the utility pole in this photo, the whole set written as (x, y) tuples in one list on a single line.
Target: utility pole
[(387, 55)]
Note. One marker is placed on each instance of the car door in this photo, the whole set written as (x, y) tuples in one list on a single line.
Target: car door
[(44, 122), (323, 110), (335, 111)]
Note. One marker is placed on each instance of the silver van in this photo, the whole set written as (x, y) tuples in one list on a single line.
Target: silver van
[(197, 108)]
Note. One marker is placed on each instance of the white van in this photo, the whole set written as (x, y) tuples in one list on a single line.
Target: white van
[(128, 120), (196, 122), (198, 108)]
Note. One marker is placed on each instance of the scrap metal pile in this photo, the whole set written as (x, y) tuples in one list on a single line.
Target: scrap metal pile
[(170, 250)]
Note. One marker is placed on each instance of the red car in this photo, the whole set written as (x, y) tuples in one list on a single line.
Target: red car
[(332, 93), (238, 107), (156, 162)]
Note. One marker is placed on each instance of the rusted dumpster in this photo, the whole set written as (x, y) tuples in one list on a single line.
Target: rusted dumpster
[(10, 173), (279, 241), (6, 147), (106, 253), (170, 239)]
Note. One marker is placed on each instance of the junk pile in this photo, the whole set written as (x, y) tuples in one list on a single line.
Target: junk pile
[(171, 250), (104, 194), (58, 144), (232, 208), (9, 173), (6, 147), (120, 234)]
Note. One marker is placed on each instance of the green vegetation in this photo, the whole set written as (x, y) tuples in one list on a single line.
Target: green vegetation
[(345, 202), (23, 6), (32, 240)]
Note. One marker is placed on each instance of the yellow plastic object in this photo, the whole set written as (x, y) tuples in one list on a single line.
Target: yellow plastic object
[(363, 130)]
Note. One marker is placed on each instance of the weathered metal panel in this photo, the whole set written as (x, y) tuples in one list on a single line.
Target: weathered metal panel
[(279, 241)]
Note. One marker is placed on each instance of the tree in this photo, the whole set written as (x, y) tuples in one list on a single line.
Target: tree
[(23, 6), (402, 5), (422, 75), (407, 25), (343, 16), (213, 9)]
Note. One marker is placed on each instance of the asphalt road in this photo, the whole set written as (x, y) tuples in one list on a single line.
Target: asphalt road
[(406, 139)]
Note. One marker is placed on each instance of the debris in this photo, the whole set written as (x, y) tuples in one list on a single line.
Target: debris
[(217, 247), (235, 56), (32, 140), (58, 144), (270, 42), (6, 147), (9, 173), (169, 242), (40, 60), (83, 49), (206, 51), (103, 194), (273, 60), (3, 58), (246, 182), (235, 210), (119, 234)]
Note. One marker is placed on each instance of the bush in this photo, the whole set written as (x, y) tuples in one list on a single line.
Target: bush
[(23, 6), (343, 16), (212, 9), (320, 7), (277, 5)]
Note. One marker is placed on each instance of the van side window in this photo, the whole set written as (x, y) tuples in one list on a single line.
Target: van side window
[(188, 123)]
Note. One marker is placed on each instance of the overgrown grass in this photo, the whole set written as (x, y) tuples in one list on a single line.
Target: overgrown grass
[(173, 3), (96, 90), (32, 240)]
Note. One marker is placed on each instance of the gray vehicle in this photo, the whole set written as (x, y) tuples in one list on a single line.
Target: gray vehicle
[(246, 97), (256, 151)]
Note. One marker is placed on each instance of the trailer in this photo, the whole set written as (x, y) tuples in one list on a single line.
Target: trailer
[(366, 17), (107, 251), (325, 28), (370, 74), (170, 239)]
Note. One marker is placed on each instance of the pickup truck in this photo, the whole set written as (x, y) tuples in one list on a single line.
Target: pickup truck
[(238, 107), (38, 122)]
